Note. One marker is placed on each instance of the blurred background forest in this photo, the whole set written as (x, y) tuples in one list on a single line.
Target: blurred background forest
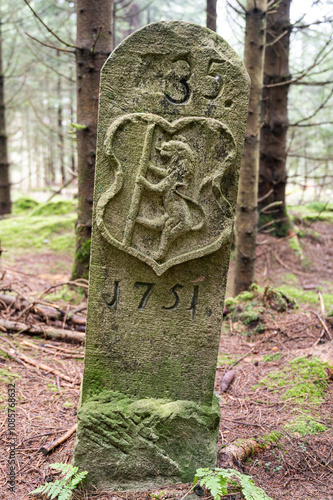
[(40, 93), (50, 59)]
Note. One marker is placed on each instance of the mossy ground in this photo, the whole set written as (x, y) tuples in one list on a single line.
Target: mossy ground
[(302, 379), (249, 308), (302, 382), (307, 297), (40, 227)]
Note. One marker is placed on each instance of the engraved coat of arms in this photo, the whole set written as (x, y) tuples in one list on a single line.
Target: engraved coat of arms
[(167, 199)]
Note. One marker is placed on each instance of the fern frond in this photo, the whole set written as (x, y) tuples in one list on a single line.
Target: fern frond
[(62, 488), (217, 481)]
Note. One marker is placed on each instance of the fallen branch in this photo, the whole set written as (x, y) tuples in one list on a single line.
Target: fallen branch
[(239, 451), (42, 309), (48, 448), (22, 357), (79, 282), (65, 353), (47, 332)]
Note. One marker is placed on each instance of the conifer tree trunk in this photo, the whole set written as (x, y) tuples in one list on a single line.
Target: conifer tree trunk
[(94, 21), (247, 215), (273, 141), (211, 15), (60, 132), (5, 202)]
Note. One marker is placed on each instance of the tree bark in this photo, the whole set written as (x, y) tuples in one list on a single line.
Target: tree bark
[(211, 15), (246, 214), (273, 141), (60, 132), (5, 201), (94, 21)]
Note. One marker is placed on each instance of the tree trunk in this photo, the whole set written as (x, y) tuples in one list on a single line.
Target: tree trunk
[(94, 39), (211, 15), (60, 132), (5, 202), (71, 111), (247, 215), (273, 141)]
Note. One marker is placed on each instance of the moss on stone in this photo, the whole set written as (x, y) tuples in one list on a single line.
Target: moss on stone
[(128, 442)]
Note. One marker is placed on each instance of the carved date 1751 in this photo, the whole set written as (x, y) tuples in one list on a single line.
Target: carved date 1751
[(148, 288)]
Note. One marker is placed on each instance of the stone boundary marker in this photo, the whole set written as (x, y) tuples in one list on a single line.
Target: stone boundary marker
[(172, 113)]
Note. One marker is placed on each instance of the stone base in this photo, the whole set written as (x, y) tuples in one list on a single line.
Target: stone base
[(126, 443)]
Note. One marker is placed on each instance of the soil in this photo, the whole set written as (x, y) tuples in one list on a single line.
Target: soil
[(294, 466)]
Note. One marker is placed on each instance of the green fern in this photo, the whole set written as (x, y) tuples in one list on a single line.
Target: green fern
[(62, 488), (218, 480)]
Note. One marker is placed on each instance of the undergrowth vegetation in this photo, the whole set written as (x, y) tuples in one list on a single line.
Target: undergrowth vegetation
[(315, 210), (248, 308), (302, 379), (222, 482), (40, 226)]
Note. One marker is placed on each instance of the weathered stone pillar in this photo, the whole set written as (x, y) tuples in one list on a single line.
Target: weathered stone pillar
[(172, 112)]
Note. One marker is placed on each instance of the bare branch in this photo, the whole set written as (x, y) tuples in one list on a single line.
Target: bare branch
[(129, 16), (50, 46), (49, 29), (277, 38), (122, 7), (241, 5), (314, 84), (317, 61), (325, 101), (235, 10), (311, 124), (36, 55), (312, 158), (96, 39), (304, 26)]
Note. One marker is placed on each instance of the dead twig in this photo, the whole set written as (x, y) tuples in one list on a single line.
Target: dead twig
[(288, 267), (323, 325), (22, 357), (80, 283), (47, 449), (66, 353)]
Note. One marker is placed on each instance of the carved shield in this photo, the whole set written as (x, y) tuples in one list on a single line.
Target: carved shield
[(167, 200)]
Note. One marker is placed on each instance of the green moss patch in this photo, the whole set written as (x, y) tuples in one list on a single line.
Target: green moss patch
[(66, 294), (26, 233), (7, 377), (312, 211), (249, 307), (302, 380), (24, 204), (60, 207), (225, 359), (307, 296), (272, 357), (305, 426)]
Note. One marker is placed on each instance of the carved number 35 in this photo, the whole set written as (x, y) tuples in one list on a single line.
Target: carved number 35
[(176, 87)]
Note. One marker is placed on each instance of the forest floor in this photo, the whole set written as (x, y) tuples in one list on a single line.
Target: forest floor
[(276, 343)]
